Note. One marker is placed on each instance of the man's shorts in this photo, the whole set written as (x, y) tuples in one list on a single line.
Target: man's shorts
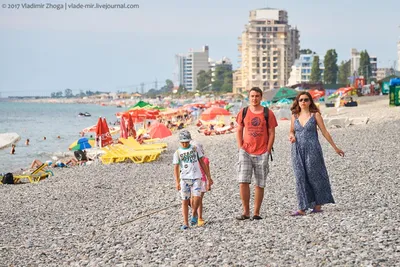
[(190, 187), (247, 163)]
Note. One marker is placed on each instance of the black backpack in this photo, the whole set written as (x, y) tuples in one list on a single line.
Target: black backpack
[(266, 111), (8, 178)]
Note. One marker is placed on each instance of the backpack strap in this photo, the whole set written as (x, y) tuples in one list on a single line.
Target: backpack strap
[(266, 113), (244, 112)]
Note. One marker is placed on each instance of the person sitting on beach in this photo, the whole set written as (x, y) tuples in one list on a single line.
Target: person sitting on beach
[(187, 163), (204, 188)]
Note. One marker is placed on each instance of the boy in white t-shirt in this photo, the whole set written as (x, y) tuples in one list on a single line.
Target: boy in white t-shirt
[(187, 170)]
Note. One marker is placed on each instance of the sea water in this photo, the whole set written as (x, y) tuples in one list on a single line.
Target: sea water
[(34, 121)]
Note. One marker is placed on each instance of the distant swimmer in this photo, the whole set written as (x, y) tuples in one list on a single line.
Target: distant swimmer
[(27, 142), (58, 137), (44, 138), (12, 149)]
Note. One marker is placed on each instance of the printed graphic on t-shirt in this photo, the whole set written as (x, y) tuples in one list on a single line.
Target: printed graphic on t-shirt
[(255, 128)]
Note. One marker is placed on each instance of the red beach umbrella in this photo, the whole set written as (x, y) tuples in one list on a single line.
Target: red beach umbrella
[(103, 136)]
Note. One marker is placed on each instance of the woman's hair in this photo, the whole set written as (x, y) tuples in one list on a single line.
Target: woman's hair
[(296, 107)]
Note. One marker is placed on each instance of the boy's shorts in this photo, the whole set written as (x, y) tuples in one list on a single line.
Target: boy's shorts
[(203, 186), (247, 163), (190, 188)]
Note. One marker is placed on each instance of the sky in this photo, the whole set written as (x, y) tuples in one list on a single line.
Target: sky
[(45, 50)]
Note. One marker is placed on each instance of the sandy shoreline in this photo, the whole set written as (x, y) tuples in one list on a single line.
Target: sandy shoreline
[(129, 215)]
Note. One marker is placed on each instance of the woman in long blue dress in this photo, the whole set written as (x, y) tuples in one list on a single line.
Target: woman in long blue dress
[(312, 181)]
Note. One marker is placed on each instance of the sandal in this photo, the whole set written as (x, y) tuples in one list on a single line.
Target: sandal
[(297, 213), (257, 217), (200, 222), (242, 217), (193, 221), (316, 211), (184, 227)]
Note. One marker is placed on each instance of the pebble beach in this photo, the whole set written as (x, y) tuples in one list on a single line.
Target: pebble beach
[(129, 214)]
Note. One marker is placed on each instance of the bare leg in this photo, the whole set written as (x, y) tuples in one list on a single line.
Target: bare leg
[(195, 205), (185, 210), (245, 196), (258, 198), (36, 163), (200, 208)]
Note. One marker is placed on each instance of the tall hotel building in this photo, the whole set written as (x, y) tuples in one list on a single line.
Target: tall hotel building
[(268, 48), (189, 66)]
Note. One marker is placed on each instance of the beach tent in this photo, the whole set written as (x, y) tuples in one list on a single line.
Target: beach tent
[(212, 112), (159, 130), (283, 92)]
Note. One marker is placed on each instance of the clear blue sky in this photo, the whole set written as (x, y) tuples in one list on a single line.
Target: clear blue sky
[(44, 50)]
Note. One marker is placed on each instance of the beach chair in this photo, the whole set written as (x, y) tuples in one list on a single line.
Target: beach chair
[(140, 156), (121, 153), (35, 176), (131, 142)]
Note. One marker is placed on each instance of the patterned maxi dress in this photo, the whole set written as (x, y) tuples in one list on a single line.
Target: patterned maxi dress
[(312, 181)]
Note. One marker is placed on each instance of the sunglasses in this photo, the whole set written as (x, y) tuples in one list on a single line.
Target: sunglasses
[(304, 100)]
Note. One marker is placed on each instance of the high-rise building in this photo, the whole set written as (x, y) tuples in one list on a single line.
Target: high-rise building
[(189, 65), (268, 48)]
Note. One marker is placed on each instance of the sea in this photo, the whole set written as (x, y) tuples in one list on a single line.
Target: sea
[(34, 121)]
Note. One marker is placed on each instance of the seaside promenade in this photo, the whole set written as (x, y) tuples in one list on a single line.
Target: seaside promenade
[(129, 214)]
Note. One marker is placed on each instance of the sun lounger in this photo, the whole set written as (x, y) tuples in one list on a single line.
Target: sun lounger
[(34, 177), (131, 142), (121, 153)]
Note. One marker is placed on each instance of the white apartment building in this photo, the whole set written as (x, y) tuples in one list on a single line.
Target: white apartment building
[(225, 62), (301, 69), (355, 63), (190, 65), (398, 55), (268, 47)]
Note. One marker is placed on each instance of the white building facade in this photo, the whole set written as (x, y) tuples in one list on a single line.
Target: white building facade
[(190, 65), (301, 69)]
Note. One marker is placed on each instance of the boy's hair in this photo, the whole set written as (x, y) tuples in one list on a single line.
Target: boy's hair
[(256, 89)]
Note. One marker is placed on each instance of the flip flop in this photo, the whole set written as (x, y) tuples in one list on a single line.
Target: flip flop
[(256, 217), (297, 213), (242, 217), (193, 221), (184, 227), (316, 211)]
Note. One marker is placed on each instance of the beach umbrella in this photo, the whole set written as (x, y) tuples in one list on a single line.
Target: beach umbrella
[(212, 112), (285, 101), (126, 125), (276, 95), (82, 143), (316, 93), (159, 130), (103, 134)]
